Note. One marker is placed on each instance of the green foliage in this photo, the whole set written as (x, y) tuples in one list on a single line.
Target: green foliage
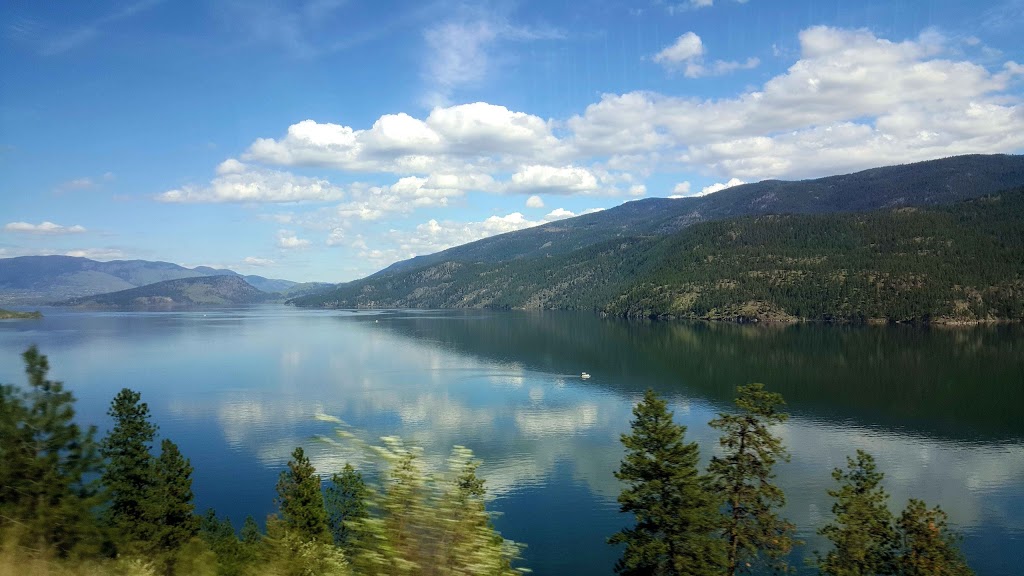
[(862, 535), (45, 490), (233, 557), (673, 508), (927, 547), (130, 473), (345, 499), (300, 501), (287, 552), (430, 523), (172, 510), (250, 535), (743, 476)]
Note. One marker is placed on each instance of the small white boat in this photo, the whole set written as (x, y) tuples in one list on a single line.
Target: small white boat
[(584, 375)]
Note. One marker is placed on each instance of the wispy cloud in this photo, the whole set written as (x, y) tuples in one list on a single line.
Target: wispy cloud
[(259, 262), (459, 51), (73, 38), (689, 5), (310, 28)]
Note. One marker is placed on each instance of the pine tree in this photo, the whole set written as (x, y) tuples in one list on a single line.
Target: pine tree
[(46, 462), (130, 471), (219, 536), (251, 535), (431, 523), (466, 542), (173, 510), (345, 499), (743, 476), (674, 511), (300, 501), (862, 535), (927, 547)]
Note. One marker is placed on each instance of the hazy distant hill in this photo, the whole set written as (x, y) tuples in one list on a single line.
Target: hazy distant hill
[(961, 263), (199, 291), (38, 279)]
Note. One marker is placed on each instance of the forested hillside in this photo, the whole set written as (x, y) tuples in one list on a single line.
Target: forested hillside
[(958, 263), (930, 183)]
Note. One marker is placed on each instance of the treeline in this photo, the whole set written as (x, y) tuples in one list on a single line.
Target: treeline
[(726, 520), (958, 263), (71, 503)]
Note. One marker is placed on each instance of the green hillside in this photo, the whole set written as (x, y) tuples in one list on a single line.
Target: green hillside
[(958, 263), (930, 183)]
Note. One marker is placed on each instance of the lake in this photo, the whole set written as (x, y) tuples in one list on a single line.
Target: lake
[(238, 389)]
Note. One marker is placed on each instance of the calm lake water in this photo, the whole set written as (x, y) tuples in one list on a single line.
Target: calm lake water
[(941, 410)]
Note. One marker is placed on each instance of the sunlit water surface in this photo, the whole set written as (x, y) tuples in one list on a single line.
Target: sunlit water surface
[(238, 389)]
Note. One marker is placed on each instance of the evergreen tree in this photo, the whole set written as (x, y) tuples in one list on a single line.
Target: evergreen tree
[(466, 540), (251, 535), (300, 501), (345, 499), (130, 471), (674, 510), (431, 523), (862, 535), (173, 510), (46, 462), (927, 547), (743, 476), (219, 535)]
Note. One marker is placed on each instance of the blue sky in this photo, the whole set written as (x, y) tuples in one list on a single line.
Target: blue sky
[(325, 139)]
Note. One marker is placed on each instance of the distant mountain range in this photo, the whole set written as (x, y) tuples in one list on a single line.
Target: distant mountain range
[(46, 279), (902, 243), (216, 290)]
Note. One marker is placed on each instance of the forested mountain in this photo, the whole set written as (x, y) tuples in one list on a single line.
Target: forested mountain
[(958, 263), (930, 183), (201, 291), (38, 279)]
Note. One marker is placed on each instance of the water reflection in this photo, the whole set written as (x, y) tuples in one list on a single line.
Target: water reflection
[(239, 389)]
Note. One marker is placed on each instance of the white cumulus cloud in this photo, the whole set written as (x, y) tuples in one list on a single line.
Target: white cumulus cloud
[(687, 53), (289, 241), (237, 182), (718, 186), (534, 202), (559, 214), (450, 138), (553, 180), (852, 101)]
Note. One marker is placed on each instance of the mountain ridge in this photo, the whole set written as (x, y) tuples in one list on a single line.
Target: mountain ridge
[(41, 279), (928, 183), (606, 270)]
